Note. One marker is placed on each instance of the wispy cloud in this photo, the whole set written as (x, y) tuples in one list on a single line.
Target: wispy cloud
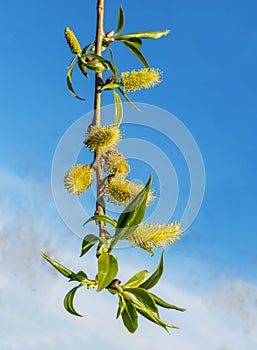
[(32, 315)]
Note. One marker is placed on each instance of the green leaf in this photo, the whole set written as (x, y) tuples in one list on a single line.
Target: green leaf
[(148, 250), (82, 67), (118, 109), (155, 277), (164, 304), (122, 305), (128, 99), (136, 42), (135, 280), (110, 86), (97, 66), (79, 277), (121, 20), (107, 270), (85, 50), (68, 301), (62, 269), (153, 317), (88, 242), (134, 213), (112, 291), (135, 51), (69, 81), (130, 317), (144, 297), (101, 218), (143, 35)]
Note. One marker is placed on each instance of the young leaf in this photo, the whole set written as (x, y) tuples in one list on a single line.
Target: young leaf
[(144, 297), (88, 242), (118, 109), (97, 66), (136, 42), (68, 301), (129, 100), (164, 304), (110, 86), (82, 67), (122, 305), (136, 52), (135, 280), (153, 317), (132, 215), (69, 81), (102, 218), (155, 277), (143, 35), (62, 269), (130, 317), (121, 20), (107, 270), (147, 249), (79, 277)]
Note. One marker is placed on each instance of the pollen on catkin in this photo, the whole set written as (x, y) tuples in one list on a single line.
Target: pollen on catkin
[(114, 163), (78, 179), (144, 78), (102, 138), (122, 192), (72, 41), (148, 235)]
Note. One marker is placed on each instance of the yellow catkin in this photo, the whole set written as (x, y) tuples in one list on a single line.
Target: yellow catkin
[(72, 41), (122, 192), (102, 138), (114, 163), (149, 235), (78, 179), (144, 78)]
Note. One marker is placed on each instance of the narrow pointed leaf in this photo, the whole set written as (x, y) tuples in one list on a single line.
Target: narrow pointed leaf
[(110, 86), (154, 318), (134, 213), (88, 242), (107, 270), (62, 269), (144, 297), (128, 100), (97, 66), (122, 305), (79, 277), (121, 20), (130, 317), (136, 52), (135, 280), (143, 35), (118, 109), (69, 81), (155, 277), (68, 301), (101, 218), (164, 304), (82, 67), (136, 42), (148, 250)]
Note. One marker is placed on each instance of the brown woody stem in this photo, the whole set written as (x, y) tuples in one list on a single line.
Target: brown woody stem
[(100, 204)]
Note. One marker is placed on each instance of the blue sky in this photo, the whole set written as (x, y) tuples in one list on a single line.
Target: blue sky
[(209, 65)]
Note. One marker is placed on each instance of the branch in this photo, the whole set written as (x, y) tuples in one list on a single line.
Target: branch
[(100, 204)]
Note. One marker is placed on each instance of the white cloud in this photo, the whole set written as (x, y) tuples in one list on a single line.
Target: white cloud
[(31, 293)]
